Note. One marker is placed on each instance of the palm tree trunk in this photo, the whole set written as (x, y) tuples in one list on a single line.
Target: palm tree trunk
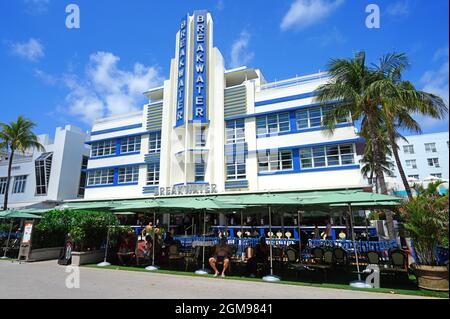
[(5, 201), (399, 165)]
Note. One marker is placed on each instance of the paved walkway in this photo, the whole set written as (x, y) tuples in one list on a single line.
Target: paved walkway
[(48, 280)]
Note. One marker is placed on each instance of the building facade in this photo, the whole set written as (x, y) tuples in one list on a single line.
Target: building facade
[(43, 179), (422, 156), (212, 130)]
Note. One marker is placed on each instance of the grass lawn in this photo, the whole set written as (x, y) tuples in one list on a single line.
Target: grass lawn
[(338, 281)]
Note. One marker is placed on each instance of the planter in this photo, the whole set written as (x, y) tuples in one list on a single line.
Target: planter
[(87, 257), (431, 277), (44, 254)]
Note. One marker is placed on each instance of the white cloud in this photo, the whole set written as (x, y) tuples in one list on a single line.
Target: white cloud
[(239, 54), (106, 90), (36, 7), (398, 8), (304, 13), (436, 81), (31, 50)]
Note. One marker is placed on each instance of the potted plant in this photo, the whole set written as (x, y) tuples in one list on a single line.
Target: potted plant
[(426, 220)]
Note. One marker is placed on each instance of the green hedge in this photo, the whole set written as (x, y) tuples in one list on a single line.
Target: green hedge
[(87, 228)]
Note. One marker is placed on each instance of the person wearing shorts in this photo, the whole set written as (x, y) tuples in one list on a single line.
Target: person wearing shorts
[(222, 254)]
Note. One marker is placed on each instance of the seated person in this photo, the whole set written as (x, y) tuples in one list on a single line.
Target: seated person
[(261, 254), (126, 250), (168, 241), (222, 253), (143, 250)]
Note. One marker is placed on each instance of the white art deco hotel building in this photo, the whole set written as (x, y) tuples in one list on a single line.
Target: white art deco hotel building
[(212, 130)]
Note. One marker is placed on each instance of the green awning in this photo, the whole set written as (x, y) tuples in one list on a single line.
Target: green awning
[(369, 204), (88, 205), (17, 214), (262, 199), (341, 197), (36, 210), (177, 202)]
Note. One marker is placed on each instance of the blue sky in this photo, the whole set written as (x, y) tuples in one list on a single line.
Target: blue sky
[(58, 76)]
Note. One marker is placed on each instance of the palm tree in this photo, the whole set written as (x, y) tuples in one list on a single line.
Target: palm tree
[(17, 136), (368, 168), (353, 88), (400, 100)]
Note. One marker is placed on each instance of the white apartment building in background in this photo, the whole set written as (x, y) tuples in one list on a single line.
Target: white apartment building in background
[(45, 179), (212, 130), (422, 156)]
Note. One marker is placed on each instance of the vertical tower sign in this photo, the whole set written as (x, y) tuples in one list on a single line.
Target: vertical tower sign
[(199, 106), (181, 73)]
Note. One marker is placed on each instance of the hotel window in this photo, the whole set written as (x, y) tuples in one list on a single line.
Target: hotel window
[(153, 174), (327, 156), (313, 117), (101, 177), (82, 184), (129, 174), (235, 131), (200, 137), (274, 123), (3, 185), (408, 149), (130, 144), (200, 168), (19, 184), (274, 161), (433, 162), (154, 143), (103, 148), (413, 176), (430, 147), (43, 166), (411, 164), (438, 175), (235, 167)]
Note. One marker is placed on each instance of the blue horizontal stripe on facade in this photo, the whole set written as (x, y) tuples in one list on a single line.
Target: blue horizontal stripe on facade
[(114, 155), (123, 136), (116, 129), (354, 140), (296, 130), (311, 170), (288, 109), (286, 98), (112, 167), (112, 185)]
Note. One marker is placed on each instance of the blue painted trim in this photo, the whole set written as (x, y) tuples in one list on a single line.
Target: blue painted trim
[(113, 185), (330, 168), (286, 98), (113, 167), (288, 109), (120, 137), (192, 150), (295, 130), (197, 183), (115, 129), (321, 169), (354, 140), (115, 155)]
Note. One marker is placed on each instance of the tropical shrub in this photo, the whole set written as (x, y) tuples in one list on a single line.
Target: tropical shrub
[(426, 220), (87, 228)]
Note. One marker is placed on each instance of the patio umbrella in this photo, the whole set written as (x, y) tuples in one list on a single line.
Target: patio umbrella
[(143, 205), (14, 214), (104, 263), (204, 204), (268, 200)]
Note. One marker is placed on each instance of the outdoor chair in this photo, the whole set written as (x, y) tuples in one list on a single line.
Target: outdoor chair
[(317, 253), (399, 260), (328, 257), (340, 256), (192, 259), (174, 255), (293, 262), (373, 257), (143, 256)]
